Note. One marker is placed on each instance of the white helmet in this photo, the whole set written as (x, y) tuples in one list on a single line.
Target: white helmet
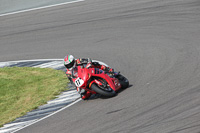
[(69, 61)]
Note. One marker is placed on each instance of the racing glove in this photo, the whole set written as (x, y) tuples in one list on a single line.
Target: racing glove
[(111, 70), (89, 64)]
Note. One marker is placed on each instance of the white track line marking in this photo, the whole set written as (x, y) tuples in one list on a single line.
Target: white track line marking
[(48, 115), (8, 130), (18, 123), (6, 14)]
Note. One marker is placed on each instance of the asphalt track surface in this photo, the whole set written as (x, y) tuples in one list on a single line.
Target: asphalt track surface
[(154, 43)]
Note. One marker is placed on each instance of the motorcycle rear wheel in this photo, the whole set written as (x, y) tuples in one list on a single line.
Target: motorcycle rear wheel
[(123, 81), (103, 91)]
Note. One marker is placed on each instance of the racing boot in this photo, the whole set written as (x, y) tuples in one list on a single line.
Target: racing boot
[(85, 95)]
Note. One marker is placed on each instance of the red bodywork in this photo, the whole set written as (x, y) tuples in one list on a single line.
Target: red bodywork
[(84, 78)]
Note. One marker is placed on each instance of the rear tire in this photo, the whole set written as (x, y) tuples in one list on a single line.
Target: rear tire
[(123, 81), (103, 92)]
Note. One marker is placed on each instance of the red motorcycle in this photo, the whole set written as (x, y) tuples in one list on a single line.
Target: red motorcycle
[(98, 81)]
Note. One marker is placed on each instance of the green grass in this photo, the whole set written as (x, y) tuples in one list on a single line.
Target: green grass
[(23, 89)]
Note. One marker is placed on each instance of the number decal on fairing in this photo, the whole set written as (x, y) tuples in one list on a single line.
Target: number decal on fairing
[(79, 82)]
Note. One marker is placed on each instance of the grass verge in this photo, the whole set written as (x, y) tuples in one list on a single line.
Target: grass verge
[(23, 89)]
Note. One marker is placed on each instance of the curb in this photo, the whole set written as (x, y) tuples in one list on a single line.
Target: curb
[(63, 101)]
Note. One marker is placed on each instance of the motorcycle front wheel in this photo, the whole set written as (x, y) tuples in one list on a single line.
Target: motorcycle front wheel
[(104, 91)]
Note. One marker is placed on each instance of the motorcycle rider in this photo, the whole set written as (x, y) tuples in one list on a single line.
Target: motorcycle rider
[(70, 63)]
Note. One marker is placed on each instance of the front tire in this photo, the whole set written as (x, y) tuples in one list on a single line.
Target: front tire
[(101, 90)]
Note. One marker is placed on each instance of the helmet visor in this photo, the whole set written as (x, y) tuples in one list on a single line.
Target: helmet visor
[(70, 65)]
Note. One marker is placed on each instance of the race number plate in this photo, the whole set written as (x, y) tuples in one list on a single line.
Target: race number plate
[(79, 82)]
